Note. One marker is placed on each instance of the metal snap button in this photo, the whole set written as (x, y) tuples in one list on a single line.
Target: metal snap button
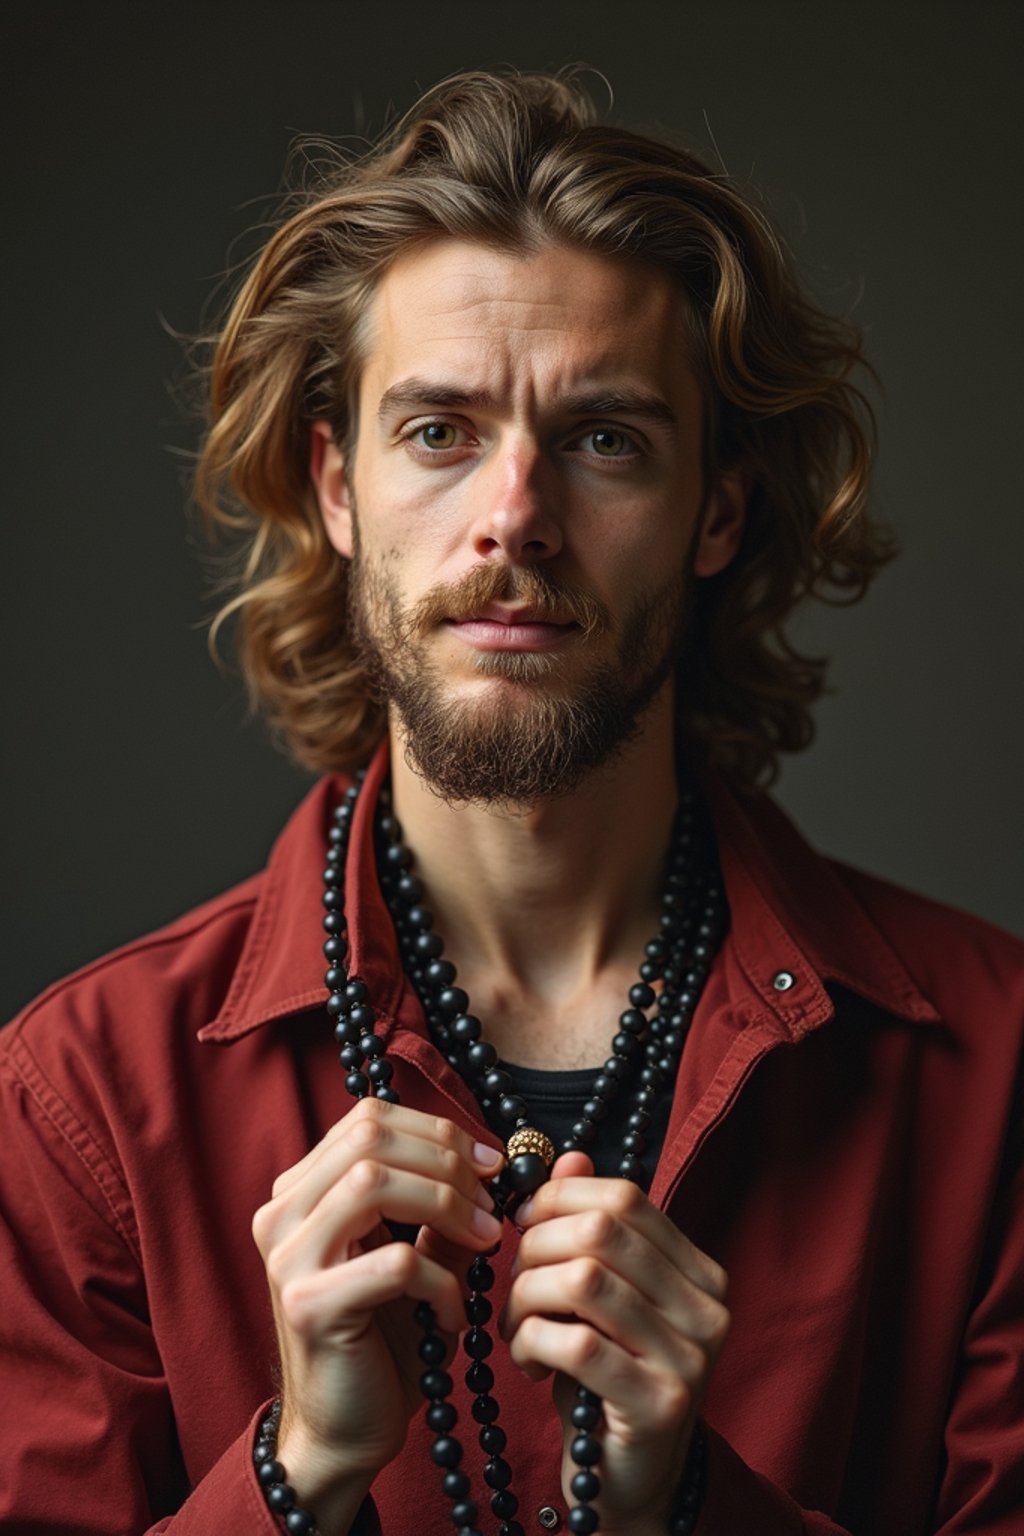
[(549, 1518), (783, 980)]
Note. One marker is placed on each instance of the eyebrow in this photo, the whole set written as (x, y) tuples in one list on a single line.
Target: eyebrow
[(417, 392)]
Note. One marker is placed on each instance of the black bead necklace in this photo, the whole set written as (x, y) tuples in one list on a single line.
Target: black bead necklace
[(645, 1057)]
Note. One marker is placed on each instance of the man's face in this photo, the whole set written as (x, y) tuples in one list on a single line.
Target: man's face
[(522, 510)]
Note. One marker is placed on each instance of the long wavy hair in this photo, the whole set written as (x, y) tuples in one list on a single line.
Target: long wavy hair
[(518, 162)]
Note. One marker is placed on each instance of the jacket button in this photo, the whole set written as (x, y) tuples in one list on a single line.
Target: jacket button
[(783, 980), (549, 1518)]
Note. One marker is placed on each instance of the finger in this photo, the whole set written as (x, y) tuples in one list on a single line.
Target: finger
[(587, 1290), (572, 1165), (385, 1139), (626, 1204), (398, 1121), (346, 1296), (596, 1238), (371, 1192), (637, 1392)]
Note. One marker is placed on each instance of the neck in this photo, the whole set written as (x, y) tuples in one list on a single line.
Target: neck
[(545, 909)]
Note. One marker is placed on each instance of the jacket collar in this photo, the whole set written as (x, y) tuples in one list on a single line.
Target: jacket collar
[(792, 916)]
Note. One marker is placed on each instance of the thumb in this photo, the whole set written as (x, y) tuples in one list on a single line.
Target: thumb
[(572, 1165)]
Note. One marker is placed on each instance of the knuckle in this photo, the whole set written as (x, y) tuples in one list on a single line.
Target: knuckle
[(718, 1280), (718, 1320), (598, 1230), (583, 1348), (627, 1198), (398, 1262), (447, 1133), (446, 1199), (368, 1133), (451, 1163), (295, 1307), (588, 1277), (366, 1177)]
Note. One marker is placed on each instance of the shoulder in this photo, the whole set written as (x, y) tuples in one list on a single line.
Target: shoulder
[(956, 958), (177, 974)]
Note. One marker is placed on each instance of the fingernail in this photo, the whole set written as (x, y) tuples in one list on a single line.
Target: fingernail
[(487, 1225), (524, 1212), (485, 1156)]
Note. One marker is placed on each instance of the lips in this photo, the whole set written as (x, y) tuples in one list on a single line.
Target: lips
[(494, 628)]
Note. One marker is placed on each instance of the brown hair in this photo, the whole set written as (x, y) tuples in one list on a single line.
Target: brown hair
[(518, 161)]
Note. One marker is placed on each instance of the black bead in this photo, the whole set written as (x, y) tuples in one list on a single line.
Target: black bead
[(596, 1110), (479, 1377), (334, 949), (585, 1451), (465, 1028), (509, 1527), (357, 1084), (333, 922), (436, 1384), (630, 1167), (465, 1512), (362, 1017), (634, 1141), (441, 1417), (453, 1000), (603, 1086), (446, 1451), (481, 1275), (280, 1498), (584, 1131), (356, 991), (429, 945), (424, 1315), (385, 1094), (351, 1056), (585, 1486), (455, 1485), (371, 1045), (410, 887), (511, 1107), (582, 1520), (432, 1351), (624, 1045), (485, 1409), (497, 1473), (504, 1505), (333, 899), (441, 973), (380, 1072), (336, 1004), (496, 1083), (481, 1056), (270, 1472), (478, 1344), (585, 1416), (641, 995), (298, 1523), (633, 1021), (478, 1311), (420, 918), (493, 1440), (651, 970), (614, 1068), (527, 1172)]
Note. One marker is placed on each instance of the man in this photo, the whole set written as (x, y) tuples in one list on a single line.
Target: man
[(539, 443)]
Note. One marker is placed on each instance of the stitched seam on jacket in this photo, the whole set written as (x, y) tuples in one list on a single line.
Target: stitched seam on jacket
[(66, 1123)]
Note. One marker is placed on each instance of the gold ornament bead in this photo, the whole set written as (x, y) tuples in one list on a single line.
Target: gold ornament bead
[(528, 1139)]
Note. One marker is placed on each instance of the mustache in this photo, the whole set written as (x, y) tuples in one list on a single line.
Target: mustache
[(552, 599)]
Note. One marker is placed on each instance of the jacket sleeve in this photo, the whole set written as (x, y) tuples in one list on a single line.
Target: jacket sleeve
[(86, 1421)]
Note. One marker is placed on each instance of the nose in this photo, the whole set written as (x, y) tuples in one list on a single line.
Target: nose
[(516, 506)]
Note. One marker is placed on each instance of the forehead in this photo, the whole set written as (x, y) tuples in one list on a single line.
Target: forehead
[(503, 320)]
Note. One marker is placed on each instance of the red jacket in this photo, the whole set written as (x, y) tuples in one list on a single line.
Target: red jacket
[(848, 1148)]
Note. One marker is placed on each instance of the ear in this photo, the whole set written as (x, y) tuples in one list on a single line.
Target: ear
[(724, 519), (327, 472)]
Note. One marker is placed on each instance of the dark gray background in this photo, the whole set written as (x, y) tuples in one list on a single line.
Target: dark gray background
[(144, 140)]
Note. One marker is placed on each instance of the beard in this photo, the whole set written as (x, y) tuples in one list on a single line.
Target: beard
[(538, 738)]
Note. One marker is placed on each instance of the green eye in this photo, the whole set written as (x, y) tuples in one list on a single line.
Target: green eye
[(438, 435), (608, 443)]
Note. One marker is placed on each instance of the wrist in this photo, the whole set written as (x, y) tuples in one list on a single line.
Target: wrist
[(302, 1485)]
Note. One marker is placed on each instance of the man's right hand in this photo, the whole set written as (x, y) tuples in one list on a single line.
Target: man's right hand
[(342, 1288)]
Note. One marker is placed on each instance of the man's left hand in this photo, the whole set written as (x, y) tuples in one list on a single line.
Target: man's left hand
[(608, 1293)]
